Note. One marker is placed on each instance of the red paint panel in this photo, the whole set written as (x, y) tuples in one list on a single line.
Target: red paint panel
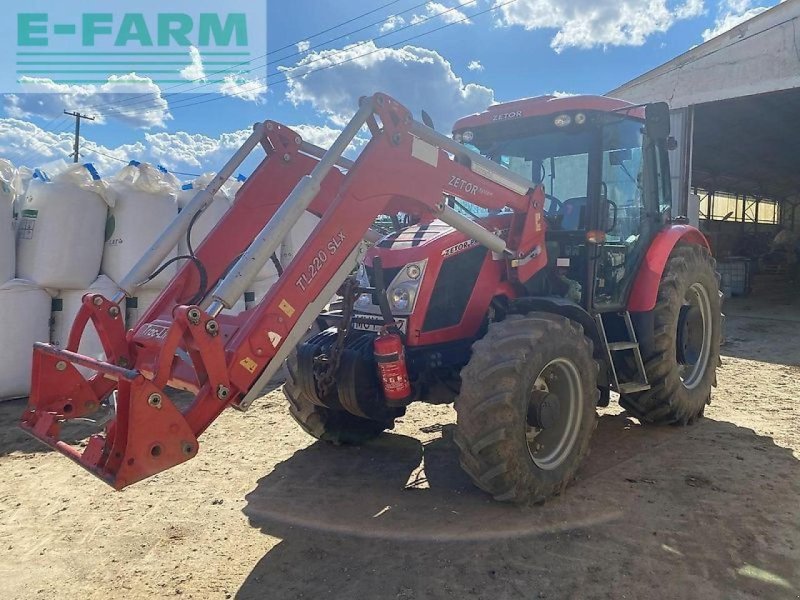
[(544, 105), (645, 287)]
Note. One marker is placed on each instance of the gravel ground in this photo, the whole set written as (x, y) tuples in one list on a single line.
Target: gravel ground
[(709, 511)]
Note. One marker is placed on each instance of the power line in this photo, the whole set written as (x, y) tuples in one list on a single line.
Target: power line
[(32, 152), (122, 160), (416, 23), (293, 44), (78, 116), (96, 151), (287, 78), (336, 64)]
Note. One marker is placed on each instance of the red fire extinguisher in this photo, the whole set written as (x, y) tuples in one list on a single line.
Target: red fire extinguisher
[(390, 357)]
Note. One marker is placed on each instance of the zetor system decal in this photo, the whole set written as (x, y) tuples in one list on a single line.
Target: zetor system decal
[(506, 116), (458, 248), (320, 258), (467, 187)]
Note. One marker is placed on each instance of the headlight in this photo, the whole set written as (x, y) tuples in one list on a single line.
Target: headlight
[(413, 271), (400, 297), (467, 136)]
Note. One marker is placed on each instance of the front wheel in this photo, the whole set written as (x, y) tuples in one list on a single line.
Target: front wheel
[(337, 427), (526, 410)]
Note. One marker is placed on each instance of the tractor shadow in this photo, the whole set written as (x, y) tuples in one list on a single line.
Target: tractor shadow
[(712, 508), (12, 438), (75, 432)]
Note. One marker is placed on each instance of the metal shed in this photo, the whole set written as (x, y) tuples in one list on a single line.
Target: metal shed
[(735, 103)]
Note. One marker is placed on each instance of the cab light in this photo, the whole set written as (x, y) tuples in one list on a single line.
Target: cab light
[(596, 236), (562, 120), (580, 119), (467, 136)]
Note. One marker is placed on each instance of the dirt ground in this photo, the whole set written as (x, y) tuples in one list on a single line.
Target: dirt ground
[(710, 511)]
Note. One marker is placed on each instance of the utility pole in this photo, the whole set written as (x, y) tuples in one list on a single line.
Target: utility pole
[(78, 116)]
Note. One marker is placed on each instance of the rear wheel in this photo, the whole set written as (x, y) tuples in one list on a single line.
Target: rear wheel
[(334, 426), (681, 365), (526, 410)]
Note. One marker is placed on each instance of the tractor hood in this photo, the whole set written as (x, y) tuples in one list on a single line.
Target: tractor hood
[(431, 239), (415, 235)]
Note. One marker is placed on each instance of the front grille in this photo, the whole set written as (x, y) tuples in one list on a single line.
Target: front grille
[(453, 289)]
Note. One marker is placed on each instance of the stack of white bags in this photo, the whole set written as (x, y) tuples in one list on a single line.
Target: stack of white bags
[(69, 232)]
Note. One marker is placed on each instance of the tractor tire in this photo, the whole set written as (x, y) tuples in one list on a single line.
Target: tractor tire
[(526, 411), (337, 427), (682, 362)]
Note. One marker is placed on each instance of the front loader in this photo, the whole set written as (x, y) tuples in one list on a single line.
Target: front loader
[(534, 268)]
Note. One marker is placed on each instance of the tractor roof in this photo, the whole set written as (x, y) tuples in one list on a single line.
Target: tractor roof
[(544, 105)]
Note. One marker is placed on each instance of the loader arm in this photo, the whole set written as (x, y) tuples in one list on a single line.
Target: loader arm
[(405, 167)]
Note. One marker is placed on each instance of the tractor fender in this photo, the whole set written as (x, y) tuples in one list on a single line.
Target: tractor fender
[(565, 308), (645, 286)]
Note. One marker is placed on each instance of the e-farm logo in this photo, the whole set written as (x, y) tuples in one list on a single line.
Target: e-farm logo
[(155, 40)]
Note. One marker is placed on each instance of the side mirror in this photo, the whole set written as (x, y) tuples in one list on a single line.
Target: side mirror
[(656, 117), (426, 119)]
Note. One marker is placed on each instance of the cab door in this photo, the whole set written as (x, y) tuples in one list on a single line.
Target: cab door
[(629, 201)]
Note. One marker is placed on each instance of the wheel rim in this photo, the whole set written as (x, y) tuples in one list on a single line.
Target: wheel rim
[(694, 335), (558, 383)]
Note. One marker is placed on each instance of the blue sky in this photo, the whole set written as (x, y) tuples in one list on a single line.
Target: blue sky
[(520, 48)]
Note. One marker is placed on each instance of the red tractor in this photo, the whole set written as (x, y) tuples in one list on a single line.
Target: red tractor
[(534, 267)]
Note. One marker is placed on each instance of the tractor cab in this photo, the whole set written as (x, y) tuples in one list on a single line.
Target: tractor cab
[(606, 183)]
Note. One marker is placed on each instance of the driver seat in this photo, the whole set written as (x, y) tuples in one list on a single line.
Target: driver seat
[(573, 214)]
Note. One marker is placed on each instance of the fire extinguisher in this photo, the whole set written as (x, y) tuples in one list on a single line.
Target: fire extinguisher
[(390, 357)]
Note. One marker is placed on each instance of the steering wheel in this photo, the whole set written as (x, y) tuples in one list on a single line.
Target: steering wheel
[(552, 215), (555, 204)]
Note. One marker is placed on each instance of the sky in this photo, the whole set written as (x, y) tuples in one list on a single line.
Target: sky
[(450, 58)]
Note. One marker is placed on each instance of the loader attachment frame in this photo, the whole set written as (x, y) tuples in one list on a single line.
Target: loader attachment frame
[(223, 360)]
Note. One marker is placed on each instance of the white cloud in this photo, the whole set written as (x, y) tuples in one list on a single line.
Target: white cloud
[(690, 9), (324, 135), (475, 65), (730, 19), (735, 6), (111, 100), (319, 135), (244, 88), (393, 22), (194, 150), (303, 46), (418, 77), (445, 13), (195, 70), (24, 143), (593, 23)]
